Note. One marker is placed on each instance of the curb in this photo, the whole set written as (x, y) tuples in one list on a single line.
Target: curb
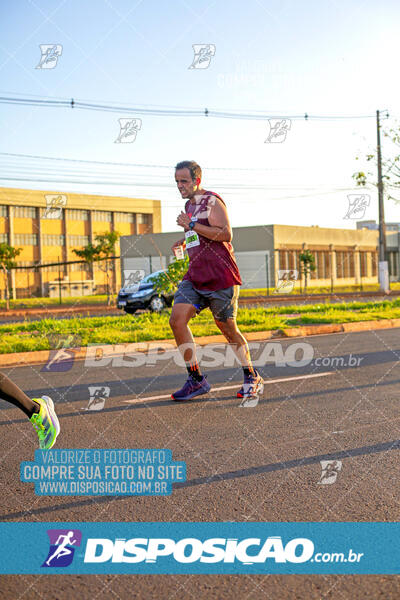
[(41, 356)]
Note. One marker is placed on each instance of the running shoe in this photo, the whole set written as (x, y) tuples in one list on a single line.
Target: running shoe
[(191, 389), (252, 386), (45, 423)]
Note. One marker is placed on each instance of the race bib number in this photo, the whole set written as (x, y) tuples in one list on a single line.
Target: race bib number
[(192, 239)]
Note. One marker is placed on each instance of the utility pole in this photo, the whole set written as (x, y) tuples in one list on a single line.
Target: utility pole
[(383, 265)]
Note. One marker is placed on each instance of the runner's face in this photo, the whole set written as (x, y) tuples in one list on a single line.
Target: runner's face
[(185, 183)]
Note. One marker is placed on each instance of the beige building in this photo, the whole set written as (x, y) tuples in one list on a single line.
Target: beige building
[(342, 256), (49, 225)]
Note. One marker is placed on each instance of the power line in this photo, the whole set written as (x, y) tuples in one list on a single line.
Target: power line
[(155, 184), (167, 111), (124, 164)]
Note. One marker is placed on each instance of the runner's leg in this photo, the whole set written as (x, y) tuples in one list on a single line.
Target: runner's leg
[(10, 392), (238, 342), (179, 319)]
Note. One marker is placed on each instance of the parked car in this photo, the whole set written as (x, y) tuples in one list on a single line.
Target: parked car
[(143, 295)]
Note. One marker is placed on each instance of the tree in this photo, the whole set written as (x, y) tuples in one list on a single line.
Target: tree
[(7, 262), (390, 167), (101, 253), (168, 280), (308, 264)]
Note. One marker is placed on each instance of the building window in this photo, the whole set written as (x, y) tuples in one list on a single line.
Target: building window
[(3, 238), (3, 211), (78, 267), (363, 264), (345, 265), (314, 274), (78, 240), (25, 212), (351, 256), (392, 259), (44, 214), (374, 262), (143, 219), (53, 240), (25, 263), (292, 260), (26, 239), (77, 214), (339, 264), (123, 217), (52, 269), (327, 265), (102, 215)]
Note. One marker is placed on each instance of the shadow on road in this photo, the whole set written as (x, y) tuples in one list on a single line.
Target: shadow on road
[(268, 468)]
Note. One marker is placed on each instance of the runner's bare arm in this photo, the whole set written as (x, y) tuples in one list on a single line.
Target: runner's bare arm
[(219, 229)]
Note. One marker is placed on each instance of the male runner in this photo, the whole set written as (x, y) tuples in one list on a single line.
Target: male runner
[(40, 411), (212, 280)]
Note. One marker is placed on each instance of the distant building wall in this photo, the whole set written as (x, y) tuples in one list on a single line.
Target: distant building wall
[(342, 256), (23, 224)]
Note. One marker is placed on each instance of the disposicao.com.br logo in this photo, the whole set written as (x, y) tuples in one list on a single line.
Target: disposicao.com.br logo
[(191, 550), (112, 548)]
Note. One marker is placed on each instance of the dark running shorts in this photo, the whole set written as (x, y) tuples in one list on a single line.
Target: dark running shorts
[(222, 303)]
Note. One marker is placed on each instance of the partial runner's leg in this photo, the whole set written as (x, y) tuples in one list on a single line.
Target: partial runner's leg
[(179, 319), (40, 411), (238, 342), (253, 382), (10, 392), (196, 383)]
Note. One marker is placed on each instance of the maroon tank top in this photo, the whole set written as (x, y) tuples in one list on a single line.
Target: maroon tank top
[(212, 264)]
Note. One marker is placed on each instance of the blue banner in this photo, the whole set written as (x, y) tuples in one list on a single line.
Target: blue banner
[(200, 548)]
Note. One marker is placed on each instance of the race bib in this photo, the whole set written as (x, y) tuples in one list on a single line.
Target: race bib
[(192, 239)]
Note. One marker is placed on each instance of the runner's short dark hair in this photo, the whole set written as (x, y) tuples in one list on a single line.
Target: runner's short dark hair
[(194, 168)]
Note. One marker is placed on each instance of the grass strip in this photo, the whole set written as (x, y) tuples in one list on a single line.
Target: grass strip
[(47, 333)]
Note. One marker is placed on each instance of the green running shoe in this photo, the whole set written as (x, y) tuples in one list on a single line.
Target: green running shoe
[(45, 423)]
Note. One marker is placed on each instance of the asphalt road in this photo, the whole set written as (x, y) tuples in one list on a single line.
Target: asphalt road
[(258, 463)]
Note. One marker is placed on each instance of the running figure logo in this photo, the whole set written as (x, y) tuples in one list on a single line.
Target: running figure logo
[(330, 470), (54, 205), (286, 281), (357, 206), (128, 130), (61, 359), (50, 54), (98, 395), (278, 129), (62, 547), (203, 54), (132, 277)]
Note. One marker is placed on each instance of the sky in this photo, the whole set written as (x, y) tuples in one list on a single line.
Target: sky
[(274, 58)]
